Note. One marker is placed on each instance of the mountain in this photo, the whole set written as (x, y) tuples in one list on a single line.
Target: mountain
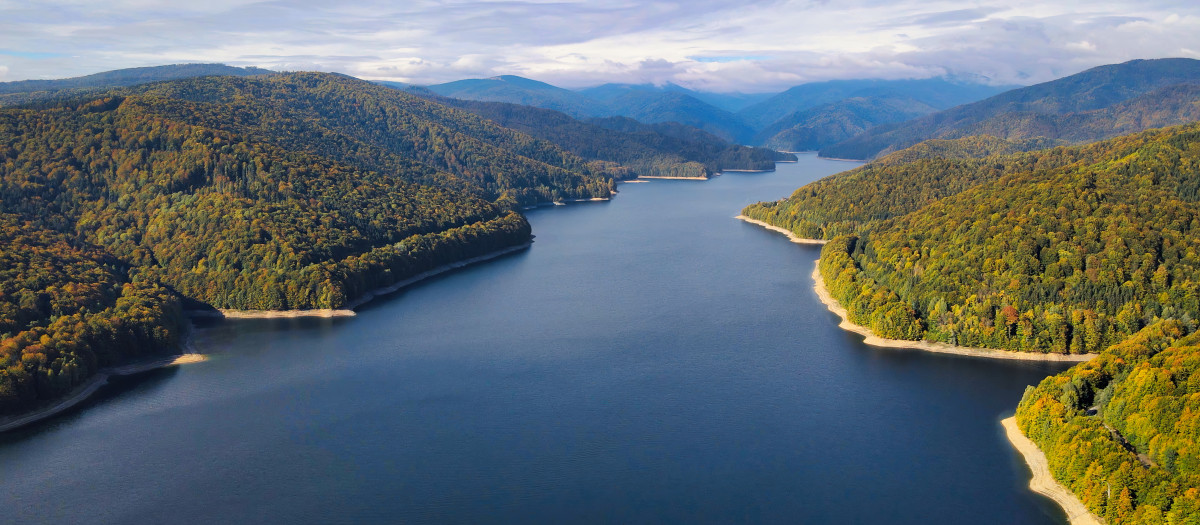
[(731, 102), (288, 191), (1081, 249), (653, 107), (648, 150), (939, 93), (645, 103), (815, 128), (1098, 103), (25, 91), (518, 90)]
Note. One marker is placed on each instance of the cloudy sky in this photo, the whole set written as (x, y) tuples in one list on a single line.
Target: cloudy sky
[(717, 45)]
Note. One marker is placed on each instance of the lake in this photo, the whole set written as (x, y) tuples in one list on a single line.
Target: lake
[(650, 359)]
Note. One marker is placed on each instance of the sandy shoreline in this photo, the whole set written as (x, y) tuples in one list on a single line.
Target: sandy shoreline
[(85, 390), (929, 346), (791, 236), (1043, 483), (672, 178), (269, 314), (348, 310), (367, 297)]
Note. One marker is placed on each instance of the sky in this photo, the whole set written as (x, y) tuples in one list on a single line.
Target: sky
[(710, 45)]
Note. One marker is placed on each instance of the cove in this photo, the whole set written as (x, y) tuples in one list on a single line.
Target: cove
[(649, 359)]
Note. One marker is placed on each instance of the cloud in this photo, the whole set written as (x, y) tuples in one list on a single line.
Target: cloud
[(749, 45)]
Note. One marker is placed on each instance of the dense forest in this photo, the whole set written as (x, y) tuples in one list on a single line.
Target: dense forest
[(384, 129), (937, 93), (29, 91), (1123, 431), (282, 192), (648, 150), (67, 309), (814, 128), (1067, 250), (645, 103), (1083, 249), (272, 192), (1099, 103)]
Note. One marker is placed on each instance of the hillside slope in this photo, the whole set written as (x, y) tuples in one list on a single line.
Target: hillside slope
[(938, 93), (27, 91), (289, 191), (648, 150), (815, 128), (1082, 107)]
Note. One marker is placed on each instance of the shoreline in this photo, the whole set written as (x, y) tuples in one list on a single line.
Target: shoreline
[(1042, 482), (384, 290), (671, 178), (85, 390), (752, 171), (840, 159), (870, 338), (348, 309), (791, 236)]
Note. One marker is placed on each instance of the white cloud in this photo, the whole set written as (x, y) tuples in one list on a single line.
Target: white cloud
[(755, 45)]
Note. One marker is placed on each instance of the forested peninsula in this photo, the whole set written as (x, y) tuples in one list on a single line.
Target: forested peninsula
[(293, 191), (1069, 250)]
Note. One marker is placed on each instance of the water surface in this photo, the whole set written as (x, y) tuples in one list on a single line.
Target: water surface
[(648, 360)]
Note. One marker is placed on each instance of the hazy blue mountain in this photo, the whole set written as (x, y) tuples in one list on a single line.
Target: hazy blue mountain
[(940, 93), (648, 150), (815, 128), (731, 102), (654, 107), (129, 77), (646, 103), (519, 90), (1098, 103)]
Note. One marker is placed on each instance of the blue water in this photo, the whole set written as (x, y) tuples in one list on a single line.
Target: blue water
[(648, 360)]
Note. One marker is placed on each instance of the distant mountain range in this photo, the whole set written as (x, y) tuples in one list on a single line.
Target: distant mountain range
[(814, 128), (24, 91), (1101, 102), (666, 149), (857, 119), (809, 117)]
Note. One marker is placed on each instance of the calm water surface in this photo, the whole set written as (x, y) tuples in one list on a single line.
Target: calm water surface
[(648, 360)]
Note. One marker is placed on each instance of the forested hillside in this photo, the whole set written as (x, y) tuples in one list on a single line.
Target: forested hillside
[(523, 91), (1099, 103), (649, 150), (1123, 431), (1065, 250), (380, 128), (66, 309), (1084, 249), (938, 93), (283, 192), (815, 128), (27, 91)]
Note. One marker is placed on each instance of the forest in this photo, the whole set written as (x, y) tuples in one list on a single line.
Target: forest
[(1122, 431), (299, 191), (1069, 250), (1100, 103), (647, 150), (1084, 249)]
